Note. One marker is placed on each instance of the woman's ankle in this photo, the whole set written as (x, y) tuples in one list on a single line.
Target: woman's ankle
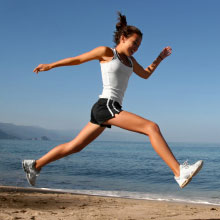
[(37, 167)]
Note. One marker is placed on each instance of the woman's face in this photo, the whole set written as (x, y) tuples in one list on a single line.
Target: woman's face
[(131, 44)]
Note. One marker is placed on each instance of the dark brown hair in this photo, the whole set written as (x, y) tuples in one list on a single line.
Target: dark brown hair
[(123, 29)]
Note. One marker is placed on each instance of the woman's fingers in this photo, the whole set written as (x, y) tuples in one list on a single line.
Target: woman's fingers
[(42, 67)]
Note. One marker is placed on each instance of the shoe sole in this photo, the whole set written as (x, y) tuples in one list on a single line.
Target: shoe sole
[(23, 166), (192, 175)]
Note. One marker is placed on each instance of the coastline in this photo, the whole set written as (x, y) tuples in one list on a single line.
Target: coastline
[(39, 204)]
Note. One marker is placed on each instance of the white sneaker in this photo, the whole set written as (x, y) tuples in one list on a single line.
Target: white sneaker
[(187, 172), (30, 170)]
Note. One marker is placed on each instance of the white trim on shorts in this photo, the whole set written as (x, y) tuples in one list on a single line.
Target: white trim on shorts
[(108, 107), (114, 106), (107, 104)]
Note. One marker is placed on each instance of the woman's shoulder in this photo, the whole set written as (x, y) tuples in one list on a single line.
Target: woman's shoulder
[(106, 52), (105, 49)]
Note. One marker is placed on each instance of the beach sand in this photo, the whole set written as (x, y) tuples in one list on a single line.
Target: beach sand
[(33, 204)]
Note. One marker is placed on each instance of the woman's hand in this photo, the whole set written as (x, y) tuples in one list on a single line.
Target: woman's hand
[(165, 52), (42, 67)]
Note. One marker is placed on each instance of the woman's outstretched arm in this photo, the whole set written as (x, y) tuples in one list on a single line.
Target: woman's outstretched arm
[(145, 73), (100, 53)]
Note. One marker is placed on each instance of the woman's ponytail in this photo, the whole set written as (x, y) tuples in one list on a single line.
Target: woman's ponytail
[(123, 29), (122, 22)]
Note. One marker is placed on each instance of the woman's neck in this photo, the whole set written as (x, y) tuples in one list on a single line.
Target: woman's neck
[(119, 50)]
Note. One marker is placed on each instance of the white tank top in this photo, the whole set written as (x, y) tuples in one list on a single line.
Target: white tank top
[(115, 76)]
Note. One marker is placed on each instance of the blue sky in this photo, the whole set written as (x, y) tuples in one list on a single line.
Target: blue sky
[(182, 95)]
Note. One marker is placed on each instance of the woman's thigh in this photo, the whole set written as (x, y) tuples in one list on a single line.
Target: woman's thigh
[(131, 122)]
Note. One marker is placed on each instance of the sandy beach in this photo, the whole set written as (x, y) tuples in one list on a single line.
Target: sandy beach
[(33, 204)]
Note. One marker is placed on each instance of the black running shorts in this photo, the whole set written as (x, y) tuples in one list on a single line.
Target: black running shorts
[(103, 110)]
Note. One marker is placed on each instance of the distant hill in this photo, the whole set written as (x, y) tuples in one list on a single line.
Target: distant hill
[(9, 131), (12, 131), (4, 135)]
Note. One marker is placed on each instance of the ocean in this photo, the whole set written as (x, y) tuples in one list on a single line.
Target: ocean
[(119, 169)]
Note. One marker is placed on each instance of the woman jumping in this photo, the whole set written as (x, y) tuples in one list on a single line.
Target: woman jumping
[(117, 65)]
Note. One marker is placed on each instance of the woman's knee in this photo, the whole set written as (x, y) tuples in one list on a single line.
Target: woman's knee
[(151, 128)]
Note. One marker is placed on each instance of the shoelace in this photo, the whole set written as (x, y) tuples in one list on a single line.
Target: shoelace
[(186, 164)]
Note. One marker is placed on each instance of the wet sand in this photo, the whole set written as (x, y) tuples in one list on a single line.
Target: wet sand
[(34, 204)]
